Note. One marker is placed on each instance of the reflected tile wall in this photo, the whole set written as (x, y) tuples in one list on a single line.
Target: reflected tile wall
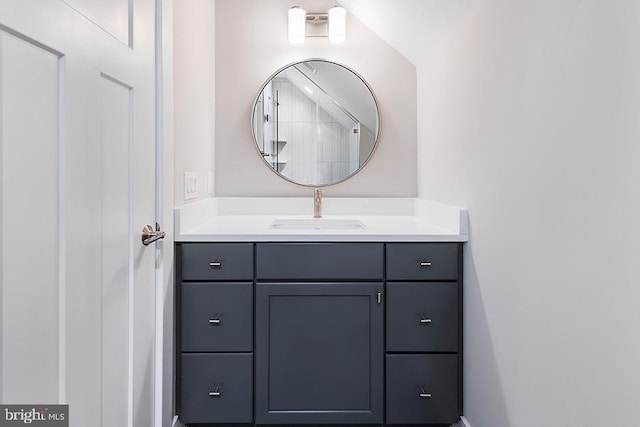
[(302, 123)]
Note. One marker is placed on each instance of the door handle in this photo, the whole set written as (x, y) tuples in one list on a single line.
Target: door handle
[(149, 235)]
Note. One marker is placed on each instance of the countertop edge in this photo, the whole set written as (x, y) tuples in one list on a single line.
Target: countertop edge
[(185, 238), (450, 223)]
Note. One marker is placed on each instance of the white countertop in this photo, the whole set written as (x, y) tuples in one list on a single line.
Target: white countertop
[(251, 219)]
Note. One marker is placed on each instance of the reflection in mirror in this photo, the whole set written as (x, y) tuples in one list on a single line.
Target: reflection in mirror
[(315, 123)]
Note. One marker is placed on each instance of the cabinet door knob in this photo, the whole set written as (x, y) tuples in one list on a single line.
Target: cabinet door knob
[(215, 394), (215, 322), (215, 265), (425, 264), (423, 320)]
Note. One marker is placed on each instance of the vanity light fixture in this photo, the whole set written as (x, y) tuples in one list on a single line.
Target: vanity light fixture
[(297, 24), (337, 24), (332, 24)]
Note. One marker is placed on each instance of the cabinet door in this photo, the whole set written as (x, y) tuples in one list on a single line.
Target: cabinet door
[(319, 353)]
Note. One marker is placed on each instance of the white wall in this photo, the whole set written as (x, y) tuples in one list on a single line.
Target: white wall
[(194, 92), (251, 44), (530, 117)]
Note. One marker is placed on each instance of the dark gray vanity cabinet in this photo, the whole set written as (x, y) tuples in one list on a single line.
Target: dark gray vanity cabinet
[(423, 333), (319, 333), (215, 332)]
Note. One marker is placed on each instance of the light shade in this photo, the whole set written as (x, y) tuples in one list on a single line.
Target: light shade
[(297, 25), (337, 24)]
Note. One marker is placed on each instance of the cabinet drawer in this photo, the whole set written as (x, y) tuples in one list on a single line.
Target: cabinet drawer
[(217, 316), (422, 261), (319, 261), (217, 388), (422, 389), (422, 316), (211, 261)]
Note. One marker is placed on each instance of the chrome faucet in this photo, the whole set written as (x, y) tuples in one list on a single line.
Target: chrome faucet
[(317, 203)]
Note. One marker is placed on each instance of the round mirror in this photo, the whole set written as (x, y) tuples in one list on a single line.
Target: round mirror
[(315, 122)]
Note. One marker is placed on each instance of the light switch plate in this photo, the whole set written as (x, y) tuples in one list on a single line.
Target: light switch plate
[(191, 185)]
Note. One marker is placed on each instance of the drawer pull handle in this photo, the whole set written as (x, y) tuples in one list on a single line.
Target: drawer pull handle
[(215, 322), (425, 264), (423, 394), (216, 265), (423, 321), (215, 394)]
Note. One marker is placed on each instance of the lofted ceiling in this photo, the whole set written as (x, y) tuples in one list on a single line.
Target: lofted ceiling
[(413, 27)]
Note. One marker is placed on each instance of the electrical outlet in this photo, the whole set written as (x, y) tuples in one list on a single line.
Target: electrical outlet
[(210, 182), (191, 185)]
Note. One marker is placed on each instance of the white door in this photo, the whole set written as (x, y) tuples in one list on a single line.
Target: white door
[(77, 184)]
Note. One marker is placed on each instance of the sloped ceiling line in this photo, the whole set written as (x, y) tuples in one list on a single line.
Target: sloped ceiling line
[(413, 27)]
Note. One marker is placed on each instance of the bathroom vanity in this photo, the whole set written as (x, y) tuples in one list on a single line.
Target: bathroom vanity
[(348, 319), (311, 311)]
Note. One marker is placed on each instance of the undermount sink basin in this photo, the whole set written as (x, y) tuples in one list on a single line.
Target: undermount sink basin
[(317, 224)]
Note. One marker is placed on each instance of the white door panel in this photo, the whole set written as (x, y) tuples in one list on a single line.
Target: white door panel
[(117, 286), (77, 154), (29, 263)]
